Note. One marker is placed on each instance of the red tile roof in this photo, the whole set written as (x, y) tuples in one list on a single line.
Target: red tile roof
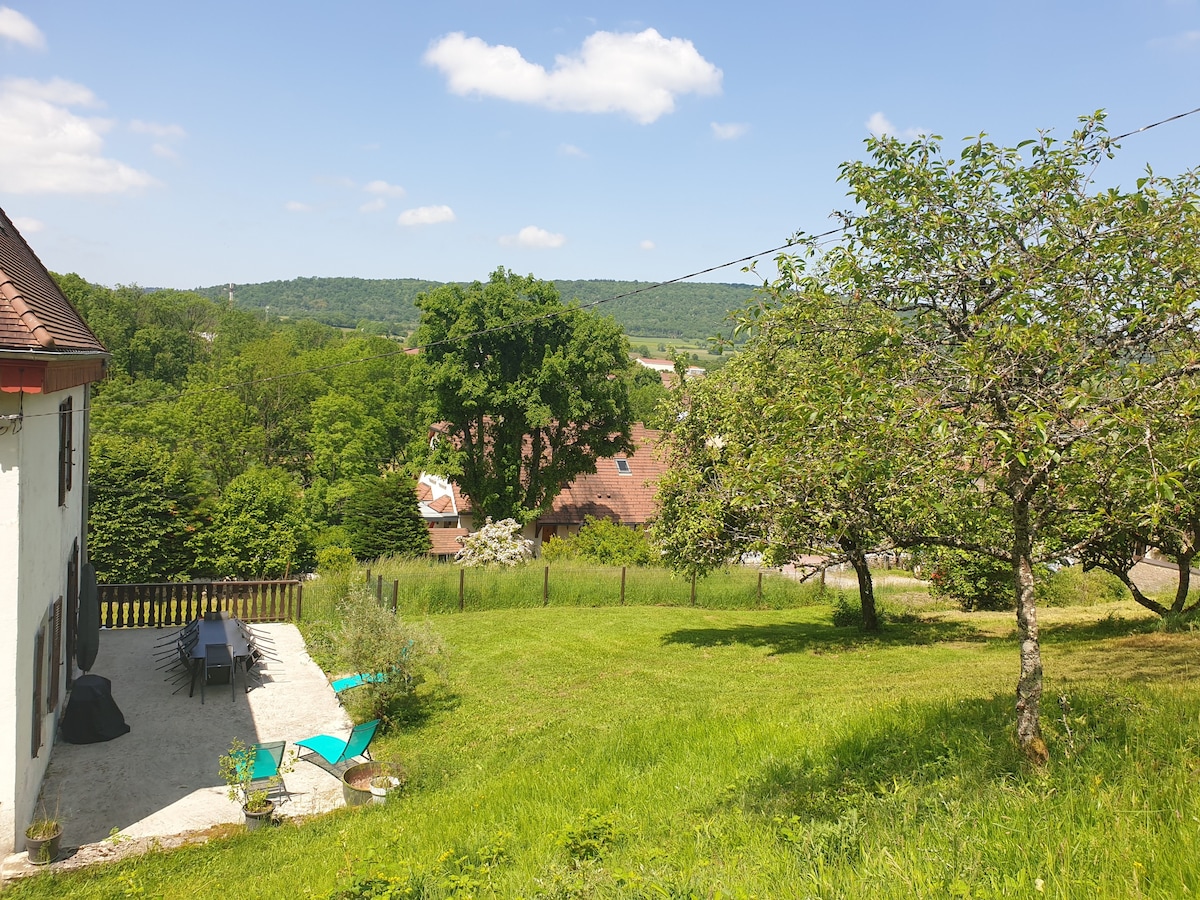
[(34, 314), (628, 499), (445, 541)]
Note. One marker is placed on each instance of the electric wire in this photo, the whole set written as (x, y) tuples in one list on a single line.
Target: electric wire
[(796, 241)]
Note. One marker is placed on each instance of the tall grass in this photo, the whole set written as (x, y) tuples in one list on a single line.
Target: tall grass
[(425, 588), (658, 751)]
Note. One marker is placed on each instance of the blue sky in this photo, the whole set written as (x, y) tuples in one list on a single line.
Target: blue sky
[(180, 145)]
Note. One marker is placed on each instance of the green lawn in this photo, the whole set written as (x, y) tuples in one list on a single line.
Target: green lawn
[(676, 752)]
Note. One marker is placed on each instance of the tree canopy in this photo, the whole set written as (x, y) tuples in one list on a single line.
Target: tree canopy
[(532, 390), (1034, 330)]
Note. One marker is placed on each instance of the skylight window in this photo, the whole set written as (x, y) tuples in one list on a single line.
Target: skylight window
[(623, 467)]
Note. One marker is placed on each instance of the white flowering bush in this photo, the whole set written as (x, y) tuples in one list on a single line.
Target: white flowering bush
[(496, 543)]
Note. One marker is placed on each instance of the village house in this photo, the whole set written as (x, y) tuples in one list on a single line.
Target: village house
[(48, 357), (621, 489)]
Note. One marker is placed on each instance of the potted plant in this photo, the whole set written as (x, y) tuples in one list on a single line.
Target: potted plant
[(380, 785), (42, 839), (237, 770), (359, 781)]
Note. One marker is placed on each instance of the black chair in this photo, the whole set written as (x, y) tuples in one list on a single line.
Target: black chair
[(216, 658)]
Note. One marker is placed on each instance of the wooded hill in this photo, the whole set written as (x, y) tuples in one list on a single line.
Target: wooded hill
[(696, 311)]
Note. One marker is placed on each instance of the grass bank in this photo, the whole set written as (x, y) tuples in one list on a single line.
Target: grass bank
[(678, 752)]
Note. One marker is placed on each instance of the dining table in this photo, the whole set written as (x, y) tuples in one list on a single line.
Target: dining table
[(222, 629)]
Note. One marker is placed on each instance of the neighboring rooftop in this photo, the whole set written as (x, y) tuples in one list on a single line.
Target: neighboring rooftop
[(622, 488)]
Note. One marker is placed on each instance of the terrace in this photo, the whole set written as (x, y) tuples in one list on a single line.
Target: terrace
[(159, 783)]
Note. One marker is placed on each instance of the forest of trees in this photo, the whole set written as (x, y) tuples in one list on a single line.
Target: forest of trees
[(227, 445), (388, 305)]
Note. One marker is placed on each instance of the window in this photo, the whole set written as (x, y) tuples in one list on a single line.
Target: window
[(623, 467), (66, 449)]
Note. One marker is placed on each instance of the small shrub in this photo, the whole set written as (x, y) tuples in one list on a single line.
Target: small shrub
[(610, 543), (1074, 587), (973, 581), (846, 612), (558, 549), (369, 638)]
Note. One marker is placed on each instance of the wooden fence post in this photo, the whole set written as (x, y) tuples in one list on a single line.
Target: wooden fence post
[(462, 575), (546, 587), (622, 585), (395, 594), (379, 590), (693, 589), (760, 588), (299, 601)]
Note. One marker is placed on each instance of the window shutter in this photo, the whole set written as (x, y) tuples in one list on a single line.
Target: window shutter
[(65, 449), (39, 656), (55, 656)]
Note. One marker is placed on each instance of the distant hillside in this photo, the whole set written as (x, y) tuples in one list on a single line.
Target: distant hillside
[(695, 311)]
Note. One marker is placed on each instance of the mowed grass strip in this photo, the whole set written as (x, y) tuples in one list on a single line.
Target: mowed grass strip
[(677, 752)]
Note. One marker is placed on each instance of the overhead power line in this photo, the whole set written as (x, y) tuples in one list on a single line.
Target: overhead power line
[(555, 313)]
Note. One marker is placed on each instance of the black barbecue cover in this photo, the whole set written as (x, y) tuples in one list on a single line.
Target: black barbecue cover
[(91, 715)]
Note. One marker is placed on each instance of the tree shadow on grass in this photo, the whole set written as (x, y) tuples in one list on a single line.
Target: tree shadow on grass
[(1111, 626), (885, 754), (815, 637)]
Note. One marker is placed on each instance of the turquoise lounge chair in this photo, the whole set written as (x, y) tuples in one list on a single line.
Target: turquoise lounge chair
[(353, 681), (268, 758), (338, 751)]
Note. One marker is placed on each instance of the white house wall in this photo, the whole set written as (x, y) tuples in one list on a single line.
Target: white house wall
[(34, 555)]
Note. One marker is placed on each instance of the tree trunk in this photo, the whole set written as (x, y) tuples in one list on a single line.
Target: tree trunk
[(1184, 561), (866, 587), (1029, 685)]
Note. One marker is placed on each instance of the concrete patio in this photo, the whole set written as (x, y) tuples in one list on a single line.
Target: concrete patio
[(159, 782)]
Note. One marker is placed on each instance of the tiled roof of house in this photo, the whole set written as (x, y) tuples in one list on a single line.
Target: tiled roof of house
[(445, 541), (34, 314), (610, 493)]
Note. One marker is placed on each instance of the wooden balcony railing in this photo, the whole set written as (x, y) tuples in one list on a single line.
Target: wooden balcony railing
[(159, 605)]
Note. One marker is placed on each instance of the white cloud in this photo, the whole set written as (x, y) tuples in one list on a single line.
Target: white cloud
[(426, 215), (163, 151), (295, 206), (729, 131), (164, 132), (637, 74), (879, 125), (373, 205), (20, 30), (572, 150), (47, 148), (532, 236), (647, 245), (25, 225), (383, 189)]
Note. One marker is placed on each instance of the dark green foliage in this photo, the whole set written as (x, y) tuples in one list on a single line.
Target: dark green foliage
[(145, 509), (695, 310), (259, 529), (974, 581), (530, 405), (381, 519)]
